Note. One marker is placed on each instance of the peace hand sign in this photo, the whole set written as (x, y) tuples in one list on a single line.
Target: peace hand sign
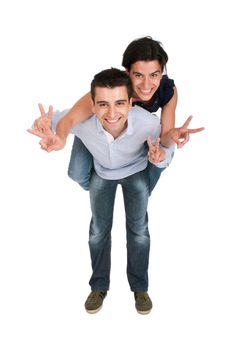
[(42, 128), (155, 153), (43, 123), (181, 135)]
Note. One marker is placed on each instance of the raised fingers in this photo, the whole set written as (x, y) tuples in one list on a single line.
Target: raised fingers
[(187, 122), (50, 112), (36, 132), (157, 143), (42, 110), (150, 144), (193, 131)]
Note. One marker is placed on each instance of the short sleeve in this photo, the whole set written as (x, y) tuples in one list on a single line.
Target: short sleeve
[(165, 91)]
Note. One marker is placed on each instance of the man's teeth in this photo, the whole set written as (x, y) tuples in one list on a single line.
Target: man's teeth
[(112, 121)]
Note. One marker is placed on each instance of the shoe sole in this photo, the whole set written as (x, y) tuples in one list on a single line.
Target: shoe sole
[(143, 312), (94, 311)]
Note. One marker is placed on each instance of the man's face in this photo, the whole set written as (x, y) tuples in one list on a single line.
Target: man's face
[(111, 107), (145, 77)]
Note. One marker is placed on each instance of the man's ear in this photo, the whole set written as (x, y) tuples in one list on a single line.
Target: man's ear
[(127, 72), (93, 107), (130, 103)]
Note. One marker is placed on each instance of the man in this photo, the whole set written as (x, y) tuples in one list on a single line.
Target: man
[(145, 62), (116, 136)]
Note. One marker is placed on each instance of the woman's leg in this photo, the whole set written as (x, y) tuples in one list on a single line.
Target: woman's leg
[(80, 165)]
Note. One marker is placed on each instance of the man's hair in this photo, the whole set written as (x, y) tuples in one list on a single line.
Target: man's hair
[(144, 49), (111, 78)]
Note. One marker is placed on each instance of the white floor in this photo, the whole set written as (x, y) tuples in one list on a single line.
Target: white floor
[(45, 267)]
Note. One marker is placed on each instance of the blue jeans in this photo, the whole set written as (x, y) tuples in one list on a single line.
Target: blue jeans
[(81, 163), (154, 175), (102, 195)]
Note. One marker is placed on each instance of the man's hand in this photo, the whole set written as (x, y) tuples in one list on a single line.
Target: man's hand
[(43, 123), (181, 135), (155, 153), (50, 142), (42, 128)]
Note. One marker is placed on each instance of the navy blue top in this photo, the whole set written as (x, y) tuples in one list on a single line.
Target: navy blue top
[(161, 97)]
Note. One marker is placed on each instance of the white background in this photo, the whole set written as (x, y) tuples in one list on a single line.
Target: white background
[(50, 51)]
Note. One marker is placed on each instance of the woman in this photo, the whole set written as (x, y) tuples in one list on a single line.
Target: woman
[(145, 61)]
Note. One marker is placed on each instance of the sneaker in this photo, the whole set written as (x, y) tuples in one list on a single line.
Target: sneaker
[(94, 301), (143, 302)]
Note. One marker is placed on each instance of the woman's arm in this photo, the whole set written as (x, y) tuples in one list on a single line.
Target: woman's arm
[(168, 120), (82, 110), (169, 134)]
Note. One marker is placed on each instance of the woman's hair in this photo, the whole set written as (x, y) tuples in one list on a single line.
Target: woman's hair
[(144, 49)]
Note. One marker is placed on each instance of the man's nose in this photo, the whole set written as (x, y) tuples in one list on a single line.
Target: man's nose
[(112, 112)]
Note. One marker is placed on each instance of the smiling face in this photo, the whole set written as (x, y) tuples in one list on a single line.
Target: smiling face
[(111, 106), (145, 77)]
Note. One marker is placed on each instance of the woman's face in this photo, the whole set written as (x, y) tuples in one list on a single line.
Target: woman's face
[(145, 77)]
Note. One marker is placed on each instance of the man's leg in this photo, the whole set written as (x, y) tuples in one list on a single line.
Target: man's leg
[(102, 196), (80, 165), (136, 194)]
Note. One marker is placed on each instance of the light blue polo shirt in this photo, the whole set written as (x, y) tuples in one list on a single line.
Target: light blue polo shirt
[(125, 155)]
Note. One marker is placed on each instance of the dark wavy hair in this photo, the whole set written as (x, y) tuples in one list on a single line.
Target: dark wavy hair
[(144, 49), (111, 78)]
